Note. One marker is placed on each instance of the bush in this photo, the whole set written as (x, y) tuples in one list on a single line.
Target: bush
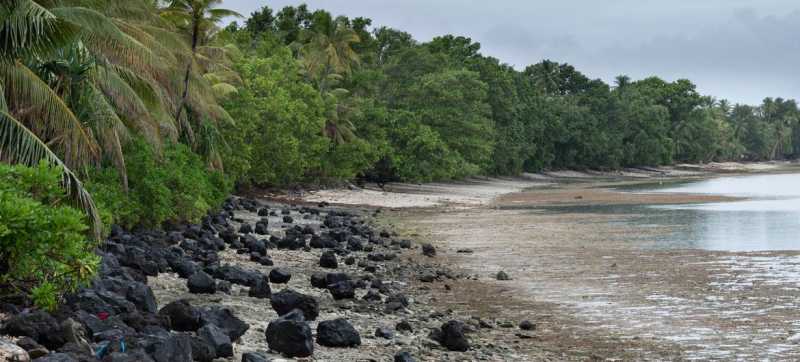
[(278, 136), (345, 161), (422, 156), (176, 188), (43, 243)]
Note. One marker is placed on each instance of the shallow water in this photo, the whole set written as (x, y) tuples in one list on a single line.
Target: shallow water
[(768, 220)]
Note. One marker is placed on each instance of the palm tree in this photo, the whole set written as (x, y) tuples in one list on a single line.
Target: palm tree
[(329, 53), (545, 75), (328, 57), (199, 18), (33, 118), (622, 81)]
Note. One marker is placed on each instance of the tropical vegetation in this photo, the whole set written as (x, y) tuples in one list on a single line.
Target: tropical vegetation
[(151, 112)]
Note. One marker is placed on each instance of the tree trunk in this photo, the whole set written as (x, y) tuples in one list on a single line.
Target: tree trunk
[(185, 96)]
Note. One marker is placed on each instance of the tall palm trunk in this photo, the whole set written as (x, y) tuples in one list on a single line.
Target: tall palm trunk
[(185, 96)]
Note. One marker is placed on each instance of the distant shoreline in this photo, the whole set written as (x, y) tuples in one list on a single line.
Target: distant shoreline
[(485, 191)]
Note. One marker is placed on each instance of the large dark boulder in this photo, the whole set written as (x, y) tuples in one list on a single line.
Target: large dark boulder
[(337, 333), (101, 300), (33, 348), (201, 283), (98, 327), (237, 275), (224, 319), (181, 316), (202, 351), (142, 297), (287, 300), (333, 278), (141, 321), (261, 289), (228, 235), (342, 290), (291, 242), (245, 228), (453, 337), (39, 325), (290, 335), (323, 241), (428, 250), (184, 267), (328, 260), (254, 245), (217, 338), (355, 244), (318, 280), (175, 348), (262, 228), (279, 276)]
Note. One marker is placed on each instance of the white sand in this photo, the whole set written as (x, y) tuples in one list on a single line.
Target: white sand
[(472, 192), (482, 191)]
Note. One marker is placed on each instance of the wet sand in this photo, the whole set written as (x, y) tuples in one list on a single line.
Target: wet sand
[(594, 293), (601, 296)]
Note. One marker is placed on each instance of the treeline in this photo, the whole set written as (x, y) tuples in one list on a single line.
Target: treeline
[(160, 112), (393, 108)]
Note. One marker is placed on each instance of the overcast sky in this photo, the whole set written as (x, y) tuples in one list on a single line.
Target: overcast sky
[(742, 50)]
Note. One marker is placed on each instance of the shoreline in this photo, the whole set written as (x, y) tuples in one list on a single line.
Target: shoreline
[(594, 295), (483, 191)]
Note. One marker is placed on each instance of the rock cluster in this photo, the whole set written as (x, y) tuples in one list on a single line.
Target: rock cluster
[(117, 317), (120, 306)]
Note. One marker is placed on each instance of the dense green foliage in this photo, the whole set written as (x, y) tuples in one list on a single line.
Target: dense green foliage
[(161, 112), (442, 110), (176, 110), (44, 250), (176, 188)]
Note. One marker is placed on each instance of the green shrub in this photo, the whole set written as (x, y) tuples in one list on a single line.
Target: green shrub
[(345, 161), (177, 187), (421, 155), (277, 139), (43, 243)]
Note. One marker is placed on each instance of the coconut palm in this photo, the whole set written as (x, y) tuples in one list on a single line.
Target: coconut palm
[(328, 57), (329, 52), (199, 19), (34, 120), (69, 73), (622, 81)]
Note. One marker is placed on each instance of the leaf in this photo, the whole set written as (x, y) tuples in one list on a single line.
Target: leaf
[(47, 112), (19, 145), (222, 90)]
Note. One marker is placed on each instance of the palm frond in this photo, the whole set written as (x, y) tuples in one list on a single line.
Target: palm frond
[(126, 100), (106, 41), (222, 90), (30, 29), (33, 100), (111, 131), (19, 145)]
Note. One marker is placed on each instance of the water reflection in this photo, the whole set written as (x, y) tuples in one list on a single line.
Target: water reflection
[(770, 220)]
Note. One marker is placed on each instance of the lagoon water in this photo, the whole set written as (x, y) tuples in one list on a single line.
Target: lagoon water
[(769, 219)]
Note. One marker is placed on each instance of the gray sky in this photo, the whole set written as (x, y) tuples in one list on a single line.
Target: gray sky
[(742, 50)]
